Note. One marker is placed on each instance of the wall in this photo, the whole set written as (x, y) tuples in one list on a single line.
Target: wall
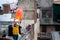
[(56, 0), (28, 7), (45, 3)]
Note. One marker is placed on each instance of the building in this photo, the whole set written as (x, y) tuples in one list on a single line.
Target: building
[(48, 25)]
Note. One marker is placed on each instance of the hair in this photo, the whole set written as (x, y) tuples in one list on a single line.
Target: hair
[(15, 24), (29, 25)]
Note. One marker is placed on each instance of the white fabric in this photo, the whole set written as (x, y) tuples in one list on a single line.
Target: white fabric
[(55, 36), (19, 37), (5, 17), (13, 6)]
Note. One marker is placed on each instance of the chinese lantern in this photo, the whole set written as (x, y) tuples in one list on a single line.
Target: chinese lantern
[(19, 14)]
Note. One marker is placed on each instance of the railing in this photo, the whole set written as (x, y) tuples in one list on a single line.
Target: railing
[(28, 35)]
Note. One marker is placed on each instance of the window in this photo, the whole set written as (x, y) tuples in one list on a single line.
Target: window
[(43, 28), (56, 13), (57, 28), (47, 12), (46, 15)]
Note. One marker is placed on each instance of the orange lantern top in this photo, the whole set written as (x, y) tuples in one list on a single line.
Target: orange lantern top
[(19, 14)]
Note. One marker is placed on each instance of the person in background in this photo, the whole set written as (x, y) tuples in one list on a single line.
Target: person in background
[(16, 30), (4, 34), (10, 30), (28, 27), (0, 7)]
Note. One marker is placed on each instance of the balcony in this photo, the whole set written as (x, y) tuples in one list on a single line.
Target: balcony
[(44, 36)]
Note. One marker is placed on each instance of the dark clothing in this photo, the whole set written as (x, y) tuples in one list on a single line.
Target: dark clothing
[(4, 35), (28, 27), (0, 7), (10, 30), (15, 37), (20, 29)]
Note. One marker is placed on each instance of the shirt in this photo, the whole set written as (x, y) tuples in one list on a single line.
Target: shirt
[(15, 30)]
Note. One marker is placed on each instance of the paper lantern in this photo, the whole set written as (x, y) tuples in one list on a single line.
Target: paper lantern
[(19, 14)]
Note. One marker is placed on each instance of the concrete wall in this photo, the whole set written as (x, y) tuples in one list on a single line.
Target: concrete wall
[(56, 0), (28, 7), (26, 4), (45, 3), (26, 23)]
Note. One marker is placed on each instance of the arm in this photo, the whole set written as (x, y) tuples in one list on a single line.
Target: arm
[(20, 29)]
